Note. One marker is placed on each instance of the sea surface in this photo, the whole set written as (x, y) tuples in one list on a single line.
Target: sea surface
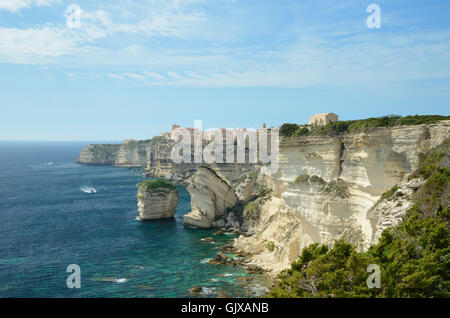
[(48, 220)]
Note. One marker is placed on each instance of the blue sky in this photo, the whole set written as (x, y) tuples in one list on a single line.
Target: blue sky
[(131, 69)]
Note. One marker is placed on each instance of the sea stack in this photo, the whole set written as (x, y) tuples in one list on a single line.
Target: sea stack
[(157, 199)]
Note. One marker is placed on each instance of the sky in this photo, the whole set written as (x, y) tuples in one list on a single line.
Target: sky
[(122, 69)]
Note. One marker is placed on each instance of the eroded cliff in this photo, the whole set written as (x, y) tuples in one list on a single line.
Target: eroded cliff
[(326, 186), (211, 196), (128, 154)]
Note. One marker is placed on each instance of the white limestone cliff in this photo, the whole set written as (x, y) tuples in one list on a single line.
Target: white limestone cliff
[(211, 196), (157, 203), (389, 211), (326, 186), (129, 154)]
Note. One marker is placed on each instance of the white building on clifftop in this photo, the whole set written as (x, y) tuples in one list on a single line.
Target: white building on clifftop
[(323, 119)]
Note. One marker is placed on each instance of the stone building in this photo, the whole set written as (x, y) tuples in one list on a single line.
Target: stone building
[(323, 119)]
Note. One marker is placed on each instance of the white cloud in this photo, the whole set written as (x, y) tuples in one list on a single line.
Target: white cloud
[(360, 62), (154, 75), (17, 5), (39, 44), (174, 75), (115, 76), (135, 76), (331, 55), (35, 45)]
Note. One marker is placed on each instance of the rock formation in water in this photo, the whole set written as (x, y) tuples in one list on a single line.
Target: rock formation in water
[(211, 196), (157, 199)]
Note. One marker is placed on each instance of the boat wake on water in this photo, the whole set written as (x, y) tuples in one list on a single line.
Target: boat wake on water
[(89, 190)]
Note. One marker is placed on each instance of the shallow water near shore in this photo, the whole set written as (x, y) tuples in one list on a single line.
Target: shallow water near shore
[(47, 221)]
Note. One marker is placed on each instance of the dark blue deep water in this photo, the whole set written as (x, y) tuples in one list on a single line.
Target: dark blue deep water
[(47, 222)]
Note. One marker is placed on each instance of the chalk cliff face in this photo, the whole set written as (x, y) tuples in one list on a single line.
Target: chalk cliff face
[(326, 185), (389, 211), (133, 153), (101, 154), (211, 196), (160, 164), (155, 157), (158, 203)]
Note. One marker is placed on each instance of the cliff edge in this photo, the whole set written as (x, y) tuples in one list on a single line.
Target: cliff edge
[(327, 185)]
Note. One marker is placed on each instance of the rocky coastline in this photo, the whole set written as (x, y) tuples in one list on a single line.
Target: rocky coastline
[(328, 187)]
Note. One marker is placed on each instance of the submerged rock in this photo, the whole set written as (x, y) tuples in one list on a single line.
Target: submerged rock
[(157, 199), (254, 269), (221, 294), (221, 257), (195, 290), (227, 248)]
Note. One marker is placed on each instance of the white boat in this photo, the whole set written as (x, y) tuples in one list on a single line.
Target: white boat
[(89, 190)]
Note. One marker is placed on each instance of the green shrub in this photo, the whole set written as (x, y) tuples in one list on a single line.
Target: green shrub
[(420, 119), (324, 272), (389, 193), (264, 191), (250, 207), (155, 184), (433, 160), (317, 180), (302, 179), (270, 246), (288, 130), (338, 187)]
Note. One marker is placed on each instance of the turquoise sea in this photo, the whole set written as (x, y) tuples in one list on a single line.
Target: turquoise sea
[(47, 222)]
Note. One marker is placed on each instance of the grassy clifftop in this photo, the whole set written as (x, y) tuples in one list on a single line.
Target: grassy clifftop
[(150, 185), (358, 126)]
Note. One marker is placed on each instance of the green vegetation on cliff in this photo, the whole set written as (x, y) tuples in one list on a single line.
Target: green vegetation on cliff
[(294, 130), (104, 150), (156, 184), (358, 126), (389, 193), (251, 208), (414, 257), (129, 145)]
